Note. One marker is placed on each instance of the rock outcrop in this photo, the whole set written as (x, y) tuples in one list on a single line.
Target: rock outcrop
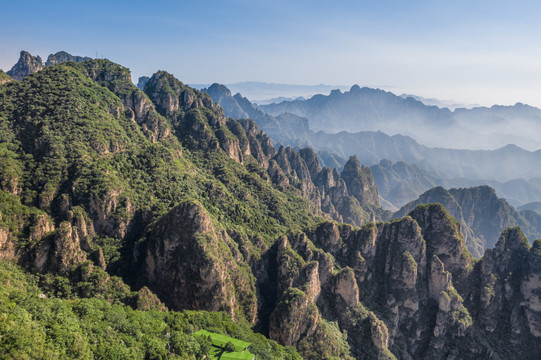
[(192, 264), (360, 182), (141, 83), (62, 56), (29, 64), (405, 269), (26, 65), (482, 215), (60, 251), (286, 325)]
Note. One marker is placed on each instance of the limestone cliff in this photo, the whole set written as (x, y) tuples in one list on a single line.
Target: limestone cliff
[(26, 65), (398, 271), (360, 182), (63, 56), (142, 81), (162, 189), (29, 64), (192, 264), (482, 215)]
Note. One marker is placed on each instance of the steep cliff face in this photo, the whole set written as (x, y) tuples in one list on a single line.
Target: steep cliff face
[(529, 287), (26, 65), (142, 81), (60, 252), (360, 182), (285, 326), (399, 271), (482, 215), (253, 141), (192, 264), (161, 189), (29, 64), (62, 56), (404, 271)]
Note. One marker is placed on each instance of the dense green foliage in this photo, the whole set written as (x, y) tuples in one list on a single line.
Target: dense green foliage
[(105, 188), (72, 150), (35, 324), (65, 136)]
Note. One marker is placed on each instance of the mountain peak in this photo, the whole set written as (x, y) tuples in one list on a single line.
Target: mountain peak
[(360, 182), (335, 92), (218, 90), (142, 82), (29, 64), (26, 65), (512, 239), (63, 56), (352, 164)]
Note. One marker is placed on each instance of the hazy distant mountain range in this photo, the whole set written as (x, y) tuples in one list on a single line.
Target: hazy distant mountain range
[(504, 164), (400, 182), (403, 169), (117, 202), (367, 109), (266, 93), (450, 104)]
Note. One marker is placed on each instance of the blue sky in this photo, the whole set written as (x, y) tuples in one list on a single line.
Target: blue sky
[(471, 51)]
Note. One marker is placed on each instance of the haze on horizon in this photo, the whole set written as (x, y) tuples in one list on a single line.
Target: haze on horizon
[(483, 52)]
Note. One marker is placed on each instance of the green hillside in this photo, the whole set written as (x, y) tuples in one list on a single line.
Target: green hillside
[(118, 204)]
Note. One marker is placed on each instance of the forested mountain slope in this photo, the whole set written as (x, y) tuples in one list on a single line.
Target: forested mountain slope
[(118, 199)]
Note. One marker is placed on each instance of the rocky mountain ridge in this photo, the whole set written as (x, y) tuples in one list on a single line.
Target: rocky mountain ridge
[(89, 192), (161, 189), (28, 64), (482, 215), (367, 109), (509, 163)]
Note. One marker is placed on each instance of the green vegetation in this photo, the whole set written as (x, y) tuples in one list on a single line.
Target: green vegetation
[(226, 347), (105, 189), (4, 77), (84, 146), (36, 324), (73, 152), (16, 218)]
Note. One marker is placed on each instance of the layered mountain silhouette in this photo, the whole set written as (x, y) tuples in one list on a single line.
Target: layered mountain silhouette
[(117, 202), (502, 165), (366, 109), (399, 183)]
